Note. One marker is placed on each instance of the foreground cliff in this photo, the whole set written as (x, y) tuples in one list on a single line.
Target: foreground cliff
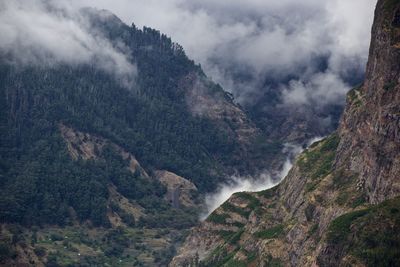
[(340, 203)]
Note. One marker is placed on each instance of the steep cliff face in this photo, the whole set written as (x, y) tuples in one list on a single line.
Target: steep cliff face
[(369, 131), (339, 204)]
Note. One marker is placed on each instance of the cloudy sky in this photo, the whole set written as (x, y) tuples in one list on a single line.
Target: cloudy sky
[(263, 39), (311, 48)]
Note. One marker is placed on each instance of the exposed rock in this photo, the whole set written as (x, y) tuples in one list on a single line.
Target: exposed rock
[(204, 100), (370, 128), (179, 190), (87, 146), (251, 148)]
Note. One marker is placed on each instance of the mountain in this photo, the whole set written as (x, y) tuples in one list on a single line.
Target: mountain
[(99, 169), (340, 203)]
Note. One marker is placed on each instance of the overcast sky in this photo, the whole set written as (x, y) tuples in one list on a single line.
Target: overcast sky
[(259, 39), (263, 38)]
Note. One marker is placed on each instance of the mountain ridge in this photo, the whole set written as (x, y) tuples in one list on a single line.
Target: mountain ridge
[(98, 168), (339, 203)]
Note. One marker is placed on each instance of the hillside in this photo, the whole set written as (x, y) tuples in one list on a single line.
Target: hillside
[(99, 169), (339, 205)]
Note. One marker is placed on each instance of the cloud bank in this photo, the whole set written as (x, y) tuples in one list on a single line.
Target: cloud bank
[(307, 48), (47, 33), (264, 181)]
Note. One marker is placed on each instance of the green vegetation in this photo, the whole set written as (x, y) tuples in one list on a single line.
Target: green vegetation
[(217, 218), (272, 262), (81, 246), (270, 233), (371, 235), (231, 237), (232, 208), (253, 201), (39, 180), (40, 183), (317, 162), (353, 96), (236, 237), (269, 193), (340, 227), (222, 257), (313, 229), (226, 235)]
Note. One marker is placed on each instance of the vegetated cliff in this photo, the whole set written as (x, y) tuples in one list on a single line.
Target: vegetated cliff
[(340, 204)]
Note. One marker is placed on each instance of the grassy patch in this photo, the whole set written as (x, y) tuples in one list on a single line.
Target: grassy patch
[(317, 162), (342, 198), (226, 235), (270, 233), (253, 201), (269, 193), (353, 96), (273, 262), (221, 257), (236, 237), (217, 218), (230, 236), (251, 256), (313, 229), (232, 208), (340, 227), (370, 235)]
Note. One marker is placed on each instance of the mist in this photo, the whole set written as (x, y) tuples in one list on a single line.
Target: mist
[(310, 52), (50, 33), (263, 181), (307, 48)]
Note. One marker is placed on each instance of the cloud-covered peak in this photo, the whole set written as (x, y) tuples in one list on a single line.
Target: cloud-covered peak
[(47, 33)]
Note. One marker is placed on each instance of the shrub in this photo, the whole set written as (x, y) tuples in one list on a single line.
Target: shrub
[(270, 233), (340, 227)]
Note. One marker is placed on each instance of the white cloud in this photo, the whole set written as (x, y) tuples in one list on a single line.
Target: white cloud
[(40, 33), (263, 37), (254, 39), (321, 89), (261, 182)]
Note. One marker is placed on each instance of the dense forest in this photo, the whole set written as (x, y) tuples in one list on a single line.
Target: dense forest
[(150, 119)]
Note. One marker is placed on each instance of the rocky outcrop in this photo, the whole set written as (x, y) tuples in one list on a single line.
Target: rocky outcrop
[(180, 191), (204, 98), (318, 215), (89, 147)]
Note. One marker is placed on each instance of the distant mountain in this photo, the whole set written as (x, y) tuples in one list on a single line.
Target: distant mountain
[(340, 203)]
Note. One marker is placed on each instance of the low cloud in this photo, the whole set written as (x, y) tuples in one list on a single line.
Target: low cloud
[(320, 89), (264, 181), (249, 47), (47, 33), (243, 45)]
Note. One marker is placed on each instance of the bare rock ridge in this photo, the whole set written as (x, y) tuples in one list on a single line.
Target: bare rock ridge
[(340, 204)]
